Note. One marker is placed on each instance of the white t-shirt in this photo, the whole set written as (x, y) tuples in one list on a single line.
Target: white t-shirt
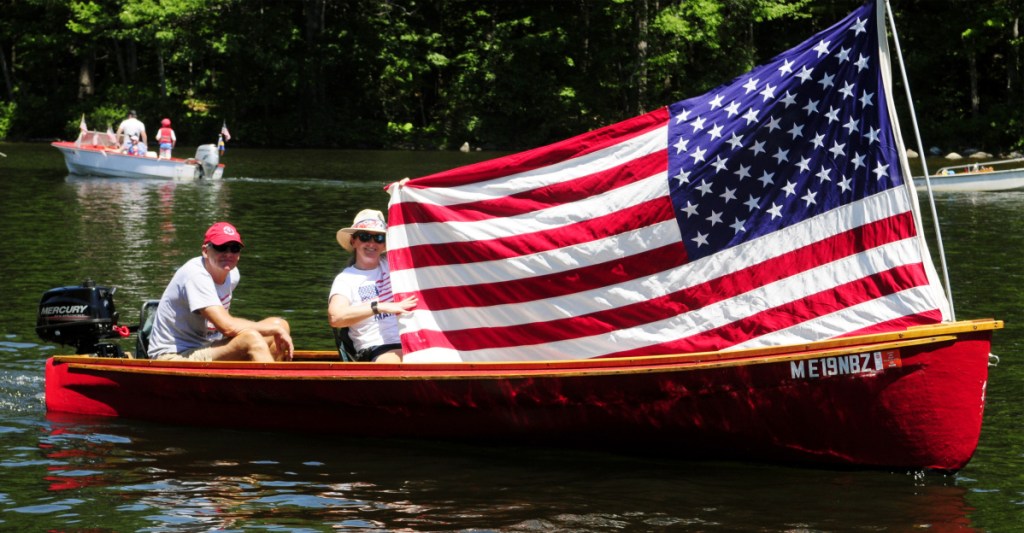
[(363, 286), (132, 126), (178, 325)]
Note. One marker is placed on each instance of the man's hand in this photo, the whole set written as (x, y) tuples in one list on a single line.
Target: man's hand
[(283, 341)]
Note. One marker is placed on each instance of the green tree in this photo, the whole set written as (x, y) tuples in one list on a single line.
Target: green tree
[(409, 73)]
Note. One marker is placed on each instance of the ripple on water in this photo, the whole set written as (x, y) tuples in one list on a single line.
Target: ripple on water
[(99, 438), (48, 508), (306, 501), (21, 392), (6, 346)]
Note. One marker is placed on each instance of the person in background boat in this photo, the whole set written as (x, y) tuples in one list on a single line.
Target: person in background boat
[(193, 321), (166, 138), (133, 147), (132, 126), (361, 297)]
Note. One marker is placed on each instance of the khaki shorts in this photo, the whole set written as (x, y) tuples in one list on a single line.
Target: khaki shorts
[(196, 354)]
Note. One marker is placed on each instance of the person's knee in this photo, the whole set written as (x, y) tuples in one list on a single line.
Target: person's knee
[(250, 338), (278, 322)]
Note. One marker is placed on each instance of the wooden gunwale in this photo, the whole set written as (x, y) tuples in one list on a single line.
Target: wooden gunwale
[(295, 370), (400, 372)]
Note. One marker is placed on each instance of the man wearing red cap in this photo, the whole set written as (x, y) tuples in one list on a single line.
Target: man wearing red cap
[(192, 321)]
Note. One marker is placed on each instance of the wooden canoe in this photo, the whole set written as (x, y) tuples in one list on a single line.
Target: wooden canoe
[(910, 399)]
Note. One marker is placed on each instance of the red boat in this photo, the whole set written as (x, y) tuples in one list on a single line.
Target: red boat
[(911, 399)]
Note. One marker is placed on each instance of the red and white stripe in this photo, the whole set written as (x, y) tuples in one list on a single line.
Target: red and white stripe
[(573, 251)]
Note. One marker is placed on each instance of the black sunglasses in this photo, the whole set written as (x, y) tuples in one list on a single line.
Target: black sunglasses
[(232, 247), (367, 237)]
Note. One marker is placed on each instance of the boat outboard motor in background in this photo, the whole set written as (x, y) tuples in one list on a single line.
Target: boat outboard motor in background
[(208, 158), (81, 316)]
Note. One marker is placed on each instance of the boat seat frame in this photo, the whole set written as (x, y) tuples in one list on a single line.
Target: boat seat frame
[(346, 350)]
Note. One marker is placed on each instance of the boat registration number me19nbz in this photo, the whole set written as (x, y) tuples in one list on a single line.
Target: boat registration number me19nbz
[(842, 365)]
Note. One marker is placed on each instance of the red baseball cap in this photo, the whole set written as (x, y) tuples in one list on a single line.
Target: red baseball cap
[(221, 233)]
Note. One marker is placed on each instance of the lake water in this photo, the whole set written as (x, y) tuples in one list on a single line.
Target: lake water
[(76, 474)]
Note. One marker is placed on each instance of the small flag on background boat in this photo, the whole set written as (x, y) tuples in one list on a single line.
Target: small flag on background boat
[(82, 130), (224, 137), (773, 209)]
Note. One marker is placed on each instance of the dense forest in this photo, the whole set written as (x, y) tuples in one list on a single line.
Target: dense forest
[(435, 74)]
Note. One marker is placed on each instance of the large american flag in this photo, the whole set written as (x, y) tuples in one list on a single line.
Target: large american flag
[(774, 209)]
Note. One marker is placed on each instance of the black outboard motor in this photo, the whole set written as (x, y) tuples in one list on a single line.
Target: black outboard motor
[(81, 316)]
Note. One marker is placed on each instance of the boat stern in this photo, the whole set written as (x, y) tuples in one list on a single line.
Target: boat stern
[(209, 162)]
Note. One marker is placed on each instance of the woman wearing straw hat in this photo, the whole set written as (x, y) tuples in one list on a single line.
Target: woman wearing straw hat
[(361, 297)]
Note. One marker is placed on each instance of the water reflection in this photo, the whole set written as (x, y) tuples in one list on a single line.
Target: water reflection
[(140, 216), (180, 480)]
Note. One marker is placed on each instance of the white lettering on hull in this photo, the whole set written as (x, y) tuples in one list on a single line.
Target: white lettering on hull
[(845, 365)]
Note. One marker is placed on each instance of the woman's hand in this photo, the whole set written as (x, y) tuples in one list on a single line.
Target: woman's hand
[(399, 308)]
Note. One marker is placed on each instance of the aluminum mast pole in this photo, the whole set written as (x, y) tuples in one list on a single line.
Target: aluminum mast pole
[(924, 163)]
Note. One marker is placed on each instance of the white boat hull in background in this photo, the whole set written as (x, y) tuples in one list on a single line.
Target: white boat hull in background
[(977, 177), (89, 160)]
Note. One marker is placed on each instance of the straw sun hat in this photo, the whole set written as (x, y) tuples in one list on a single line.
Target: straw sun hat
[(368, 221)]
